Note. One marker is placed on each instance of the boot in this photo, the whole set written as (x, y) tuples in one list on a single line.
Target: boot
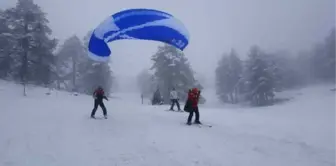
[(197, 122)]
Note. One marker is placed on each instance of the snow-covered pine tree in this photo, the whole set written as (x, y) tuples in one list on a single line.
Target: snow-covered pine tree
[(172, 70), (42, 55), (69, 59), (260, 77), (228, 77), (6, 46), (32, 53), (286, 70)]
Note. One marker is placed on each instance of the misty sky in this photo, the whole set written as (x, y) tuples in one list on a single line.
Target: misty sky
[(215, 26)]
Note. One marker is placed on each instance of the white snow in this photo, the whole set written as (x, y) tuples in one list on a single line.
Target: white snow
[(54, 130)]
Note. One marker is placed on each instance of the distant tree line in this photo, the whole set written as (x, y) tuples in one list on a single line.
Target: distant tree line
[(257, 78), (28, 53)]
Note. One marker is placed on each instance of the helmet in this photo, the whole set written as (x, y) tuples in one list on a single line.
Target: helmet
[(194, 90)]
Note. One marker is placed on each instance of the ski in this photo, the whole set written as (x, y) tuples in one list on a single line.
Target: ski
[(199, 125), (175, 111), (203, 125), (98, 118), (206, 125)]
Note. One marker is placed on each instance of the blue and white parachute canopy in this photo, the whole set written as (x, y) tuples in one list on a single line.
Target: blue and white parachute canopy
[(143, 24)]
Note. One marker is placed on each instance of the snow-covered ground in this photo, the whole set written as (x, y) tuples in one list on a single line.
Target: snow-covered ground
[(54, 130)]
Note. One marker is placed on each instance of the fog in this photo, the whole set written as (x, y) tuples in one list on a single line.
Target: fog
[(215, 27)]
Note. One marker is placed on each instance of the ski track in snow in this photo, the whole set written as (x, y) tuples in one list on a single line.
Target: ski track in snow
[(56, 130)]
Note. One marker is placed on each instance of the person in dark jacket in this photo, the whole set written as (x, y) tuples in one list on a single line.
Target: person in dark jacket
[(99, 95), (193, 97)]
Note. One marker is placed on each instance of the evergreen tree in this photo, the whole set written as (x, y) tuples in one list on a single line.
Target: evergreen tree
[(69, 59), (172, 70), (6, 46), (228, 77), (31, 53), (44, 61), (286, 70), (260, 77)]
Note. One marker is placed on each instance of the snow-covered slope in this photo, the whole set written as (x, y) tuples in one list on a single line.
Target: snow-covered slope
[(40, 130)]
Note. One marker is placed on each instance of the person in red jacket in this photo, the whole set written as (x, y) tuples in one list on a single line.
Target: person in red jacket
[(193, 97), (99, 95)]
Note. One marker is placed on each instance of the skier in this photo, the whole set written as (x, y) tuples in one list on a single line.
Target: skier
[(193, 97), (99, 95), (157, 98), (174, 100)]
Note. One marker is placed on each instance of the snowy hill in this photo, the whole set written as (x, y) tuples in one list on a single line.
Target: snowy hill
[(54, 130)]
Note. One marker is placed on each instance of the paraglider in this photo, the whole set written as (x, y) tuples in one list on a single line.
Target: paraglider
[(141, 24)]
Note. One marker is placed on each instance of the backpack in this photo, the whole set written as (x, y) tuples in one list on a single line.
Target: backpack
[(187, 106)]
